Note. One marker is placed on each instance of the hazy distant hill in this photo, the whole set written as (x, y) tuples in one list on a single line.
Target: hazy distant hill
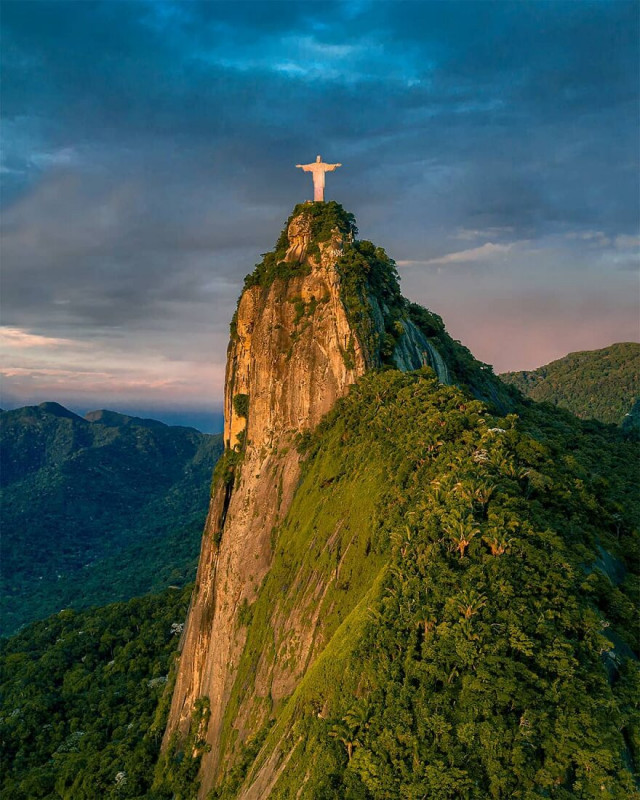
[(593, 384), (96, 509)]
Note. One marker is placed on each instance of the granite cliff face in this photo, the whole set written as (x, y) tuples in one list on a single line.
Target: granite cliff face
[(294, 350)]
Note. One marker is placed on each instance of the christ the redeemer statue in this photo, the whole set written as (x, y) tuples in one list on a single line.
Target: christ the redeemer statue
[(318, 168)]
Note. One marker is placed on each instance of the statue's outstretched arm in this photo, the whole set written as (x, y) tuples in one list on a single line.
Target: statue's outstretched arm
[(305, 167), (331, 167)]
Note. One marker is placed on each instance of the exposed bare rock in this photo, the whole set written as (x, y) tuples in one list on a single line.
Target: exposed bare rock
[(299, 234)]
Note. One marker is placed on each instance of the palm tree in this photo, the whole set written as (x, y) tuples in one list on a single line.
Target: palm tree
[(438, 491), (462, 531), (483, 492), (354, 722), (470, 602), (497, 540), (345, 734), (497, 535), (358, 716), (400, 540)]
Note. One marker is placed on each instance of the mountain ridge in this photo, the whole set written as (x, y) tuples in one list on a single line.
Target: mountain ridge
[(466, 557), (77, 495), (599, 384)]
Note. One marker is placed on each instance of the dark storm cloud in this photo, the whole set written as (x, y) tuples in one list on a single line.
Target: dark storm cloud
[(148, 147)]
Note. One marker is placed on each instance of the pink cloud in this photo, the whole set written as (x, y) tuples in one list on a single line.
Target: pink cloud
[(17, 337), (527, 332), (485, 252)]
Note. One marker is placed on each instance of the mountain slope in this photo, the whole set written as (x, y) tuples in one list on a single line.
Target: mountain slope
[(593, 384), (471, 629), (96, 511), (414, 598)]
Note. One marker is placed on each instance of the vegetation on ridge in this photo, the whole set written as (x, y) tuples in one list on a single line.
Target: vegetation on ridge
[(324, 218), (592, 384), (477, 639), (370, 276)]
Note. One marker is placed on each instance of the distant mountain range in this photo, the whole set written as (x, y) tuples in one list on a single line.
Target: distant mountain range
[(592, 384), (96, 509)]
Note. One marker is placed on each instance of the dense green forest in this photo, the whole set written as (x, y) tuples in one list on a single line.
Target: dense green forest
[(481, 623), (85, 697), (96, 510), (593, 384)]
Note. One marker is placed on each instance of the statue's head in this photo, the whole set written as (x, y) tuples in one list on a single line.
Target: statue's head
[(318, 158)]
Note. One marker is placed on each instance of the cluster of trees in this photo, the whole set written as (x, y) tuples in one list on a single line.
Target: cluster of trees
[(178, 766), (489, 650), (323, 218), (367, 272)]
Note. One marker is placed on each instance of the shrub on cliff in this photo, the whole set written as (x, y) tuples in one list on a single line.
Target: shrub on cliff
[(324, 218)]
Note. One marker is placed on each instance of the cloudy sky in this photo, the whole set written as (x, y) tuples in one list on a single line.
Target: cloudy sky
[(148, 153)]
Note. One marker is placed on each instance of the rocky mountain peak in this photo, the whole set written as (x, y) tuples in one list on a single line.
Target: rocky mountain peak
[(316, 313), (327, 226)]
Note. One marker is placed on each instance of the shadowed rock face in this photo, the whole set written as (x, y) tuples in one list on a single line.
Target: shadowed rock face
[(287, 364)]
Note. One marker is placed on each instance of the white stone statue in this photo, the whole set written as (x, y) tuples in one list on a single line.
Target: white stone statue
[(318, 168)]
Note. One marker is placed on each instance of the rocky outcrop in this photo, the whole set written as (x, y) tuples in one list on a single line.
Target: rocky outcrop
[(293, 353), (414, 350), (299, 235)]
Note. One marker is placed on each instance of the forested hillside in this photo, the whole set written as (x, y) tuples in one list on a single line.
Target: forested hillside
[(476, 635), (593, 384), (98, 509), (82, 710)]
